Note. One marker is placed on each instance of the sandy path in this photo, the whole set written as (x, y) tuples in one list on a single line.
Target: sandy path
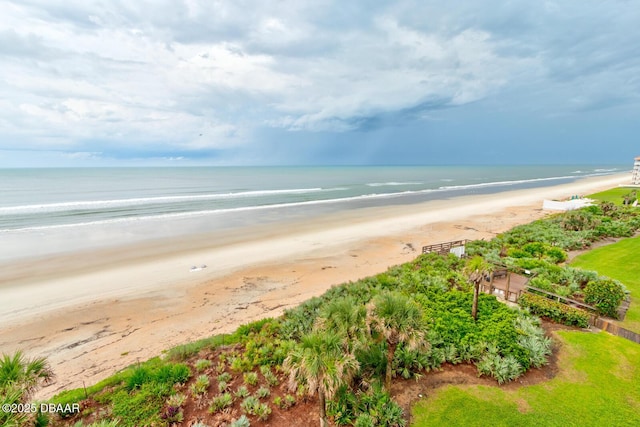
[(93, 321)]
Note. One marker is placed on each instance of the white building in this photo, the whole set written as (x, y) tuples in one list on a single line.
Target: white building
[(635, 177)]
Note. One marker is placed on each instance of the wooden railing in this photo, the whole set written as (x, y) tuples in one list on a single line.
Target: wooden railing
[(560, 298), (505, 294), (443, 248)]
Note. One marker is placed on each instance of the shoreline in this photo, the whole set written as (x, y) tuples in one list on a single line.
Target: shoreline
[(93, 320)]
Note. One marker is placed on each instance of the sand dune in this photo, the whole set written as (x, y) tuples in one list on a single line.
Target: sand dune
[(91, 314)]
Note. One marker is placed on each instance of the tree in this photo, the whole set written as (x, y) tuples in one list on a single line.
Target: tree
[(346, 318), (322, 365), (476, 270), (397, 319)]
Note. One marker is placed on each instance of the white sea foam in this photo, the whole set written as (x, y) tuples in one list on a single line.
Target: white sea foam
[(210, 212), (391, 184), (280, 205), (98, 204), (514, 182)]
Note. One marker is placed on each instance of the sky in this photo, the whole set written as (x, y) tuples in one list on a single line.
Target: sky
[(202, 82)]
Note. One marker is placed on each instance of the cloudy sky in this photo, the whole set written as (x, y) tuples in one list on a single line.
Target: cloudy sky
[(132, 82)]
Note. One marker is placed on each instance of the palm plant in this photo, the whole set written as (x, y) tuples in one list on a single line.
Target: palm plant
[(320, 362), (23, 375), (346, 318), (19, 379), (397, 319), (9, 396), (476, 270)]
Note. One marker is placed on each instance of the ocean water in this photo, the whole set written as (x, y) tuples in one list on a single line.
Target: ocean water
[(45, 211)]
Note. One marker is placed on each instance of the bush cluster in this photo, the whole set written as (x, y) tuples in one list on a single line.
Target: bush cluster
[(363, 408), (555, 311), (606, 295)]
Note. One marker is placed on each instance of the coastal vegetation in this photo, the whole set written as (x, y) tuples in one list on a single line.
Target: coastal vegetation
[(597, 384), (20, 377), (617, 195), (620, 262), (336, 356)]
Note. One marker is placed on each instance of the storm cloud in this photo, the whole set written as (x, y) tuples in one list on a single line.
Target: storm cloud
[(318, 82)]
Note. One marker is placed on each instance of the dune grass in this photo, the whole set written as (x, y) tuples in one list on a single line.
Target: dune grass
[(619, 261), (597, 384), (614, 195)]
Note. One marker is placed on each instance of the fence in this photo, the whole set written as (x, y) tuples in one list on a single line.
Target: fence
[(443, 248), (614, 329), (594, 320)]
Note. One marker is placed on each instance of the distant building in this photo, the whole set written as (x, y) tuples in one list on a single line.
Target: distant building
[(635, 177)]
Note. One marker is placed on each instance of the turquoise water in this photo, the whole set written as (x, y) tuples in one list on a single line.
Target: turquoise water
[(100, 206)]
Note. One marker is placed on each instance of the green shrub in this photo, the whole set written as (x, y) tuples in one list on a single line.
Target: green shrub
[(250, 404), (289, 400), (555, 255), (542, 283), (202, 364), (501, 368), (365, 420), (408, 363), (241, 364), (255, 327), (250, 378), (378, 404), (262, 392), (172, 374), (176, 400), (606, 295), (343, 408), (223, 386), (243, 421), (242, 392), (269, 376), (534, 249), (164, 374), (285, 403), (262, 412), (225, 376), (200, 386), (555, 311), (220, 402)]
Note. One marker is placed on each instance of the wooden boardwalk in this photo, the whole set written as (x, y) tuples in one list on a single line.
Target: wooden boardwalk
[(506, 285), (443, 248)]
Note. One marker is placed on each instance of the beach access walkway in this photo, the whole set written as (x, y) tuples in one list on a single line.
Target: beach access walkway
[(506, 285)]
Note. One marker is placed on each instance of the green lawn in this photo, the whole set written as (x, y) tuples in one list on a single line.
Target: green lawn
[(619, 261), (614, 195), (598, 384)]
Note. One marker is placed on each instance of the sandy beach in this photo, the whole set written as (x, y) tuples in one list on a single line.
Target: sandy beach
[(94, 313)]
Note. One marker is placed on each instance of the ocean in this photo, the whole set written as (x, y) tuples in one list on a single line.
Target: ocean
[(50, 211)]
